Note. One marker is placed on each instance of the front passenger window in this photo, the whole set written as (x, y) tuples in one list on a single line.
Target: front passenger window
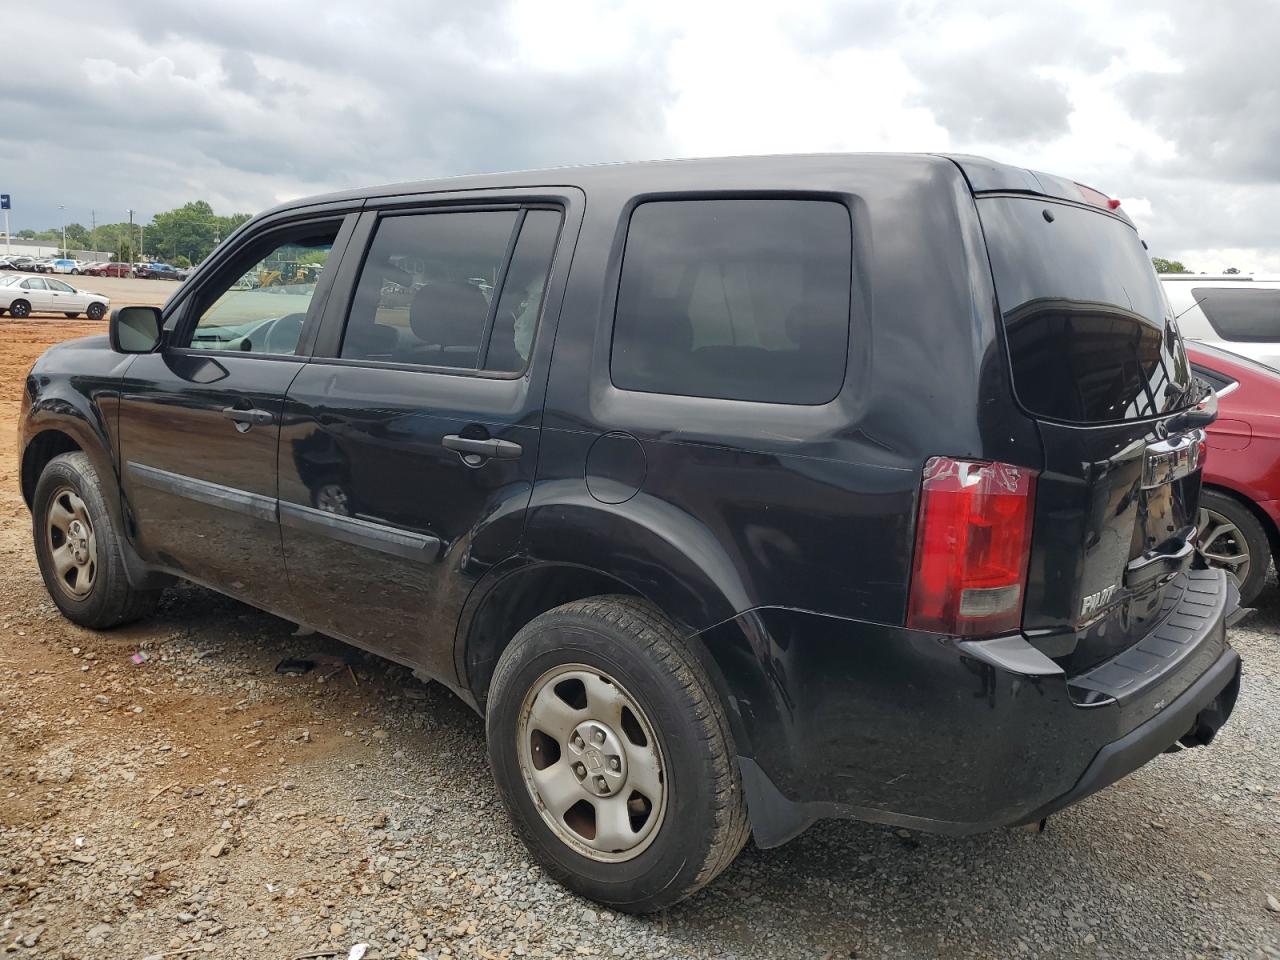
[(261, 302)]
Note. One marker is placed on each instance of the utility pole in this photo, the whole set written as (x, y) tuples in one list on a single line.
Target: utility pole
[(130, 234), (64, 228), (93, 230)]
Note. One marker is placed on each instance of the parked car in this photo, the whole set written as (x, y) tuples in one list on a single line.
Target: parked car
[(23, 296), (156, 271), (112, 269), (17, 262), (63, 265), (93, 268), (722, 519), (1235, 312), (42, 265), (1239, 524)]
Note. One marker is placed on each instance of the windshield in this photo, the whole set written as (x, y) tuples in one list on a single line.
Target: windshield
[(1091, 339)]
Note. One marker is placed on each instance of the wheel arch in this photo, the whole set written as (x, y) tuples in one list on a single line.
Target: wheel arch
[(513, 597), (1268, 525)]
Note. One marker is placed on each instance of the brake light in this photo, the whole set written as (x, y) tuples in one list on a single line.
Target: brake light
[(1098, 198), (973, 543)]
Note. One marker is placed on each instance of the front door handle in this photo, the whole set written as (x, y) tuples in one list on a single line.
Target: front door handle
[(476, 451), (244, 419)]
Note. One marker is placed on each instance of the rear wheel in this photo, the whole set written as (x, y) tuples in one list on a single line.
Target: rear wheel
[(75, 273), (96, 311), (20, 309), (79, 549), (1232, 538), (613, 755)]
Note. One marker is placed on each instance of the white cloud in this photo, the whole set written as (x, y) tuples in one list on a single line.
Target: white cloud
[(1167, 104)]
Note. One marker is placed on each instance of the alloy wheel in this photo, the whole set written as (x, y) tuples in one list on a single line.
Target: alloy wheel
[(1223, 544), (73, 547), (592, 763)]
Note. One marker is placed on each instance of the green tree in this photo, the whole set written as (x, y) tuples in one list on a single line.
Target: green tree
[(1169, 266), (1232, 270), (77, 236), (25, 234)]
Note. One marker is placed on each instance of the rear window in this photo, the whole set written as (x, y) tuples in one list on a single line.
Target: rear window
[(1244, 316), (1090, 337), (735, 299)]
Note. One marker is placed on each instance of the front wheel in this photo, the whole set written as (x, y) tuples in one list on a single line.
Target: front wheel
[(79, 549), (75, 273), (96, 311), (20, 309), (613, 755), (1232, 538)]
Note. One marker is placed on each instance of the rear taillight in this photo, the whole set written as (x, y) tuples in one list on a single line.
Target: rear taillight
[(973, 541)]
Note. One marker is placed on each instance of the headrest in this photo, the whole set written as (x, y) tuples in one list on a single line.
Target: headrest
[(449, 314)]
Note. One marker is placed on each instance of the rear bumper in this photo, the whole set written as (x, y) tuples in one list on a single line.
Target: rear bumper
[(854, 720)]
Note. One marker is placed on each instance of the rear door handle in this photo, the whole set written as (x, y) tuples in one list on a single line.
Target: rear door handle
[(249, 417), (486, 449)]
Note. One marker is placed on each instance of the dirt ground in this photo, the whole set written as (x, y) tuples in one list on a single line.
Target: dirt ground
[(199, 803)]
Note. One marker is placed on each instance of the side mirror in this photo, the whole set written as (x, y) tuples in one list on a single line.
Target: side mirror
[(134, 329)]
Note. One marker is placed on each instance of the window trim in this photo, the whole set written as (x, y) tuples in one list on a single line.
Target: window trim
[(858, 295), (328, 345), (182, 320)]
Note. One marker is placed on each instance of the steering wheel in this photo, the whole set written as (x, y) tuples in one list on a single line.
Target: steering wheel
[(284, 333)]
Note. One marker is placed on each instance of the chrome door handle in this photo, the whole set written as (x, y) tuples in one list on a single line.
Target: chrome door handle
[(244, 419), (482, 449)]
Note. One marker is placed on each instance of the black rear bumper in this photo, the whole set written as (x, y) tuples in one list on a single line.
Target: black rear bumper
[(1191, 720), (855, 720)]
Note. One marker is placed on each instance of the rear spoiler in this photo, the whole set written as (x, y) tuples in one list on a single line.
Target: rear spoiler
[(987, 176)]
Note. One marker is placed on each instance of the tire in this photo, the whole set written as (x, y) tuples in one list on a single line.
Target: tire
[(1231, 537), (20, 309), (71, 316), (631, 655), (97, 593), (75, 273), (96, 311)]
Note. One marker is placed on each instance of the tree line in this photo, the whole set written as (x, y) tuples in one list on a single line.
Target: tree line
[(1177, 266), (183, 236)]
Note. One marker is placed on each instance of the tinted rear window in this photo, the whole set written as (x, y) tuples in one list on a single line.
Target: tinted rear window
[(1245, 316), (735, 299), (1089, 333)]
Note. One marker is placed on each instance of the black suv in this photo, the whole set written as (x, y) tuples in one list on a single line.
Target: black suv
[(733, 493)]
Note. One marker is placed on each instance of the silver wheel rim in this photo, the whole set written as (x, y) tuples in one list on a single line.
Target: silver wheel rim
[(73, 546), (1222, 543), (592, 763)]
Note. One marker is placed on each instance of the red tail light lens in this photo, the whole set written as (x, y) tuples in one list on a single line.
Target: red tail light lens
[(973, 542)]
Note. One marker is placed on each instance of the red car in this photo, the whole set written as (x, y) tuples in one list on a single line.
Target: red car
[(114, 270), (1240, 503)]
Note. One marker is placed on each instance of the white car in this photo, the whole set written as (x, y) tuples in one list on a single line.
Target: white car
[(1234, 312), (22, 296)]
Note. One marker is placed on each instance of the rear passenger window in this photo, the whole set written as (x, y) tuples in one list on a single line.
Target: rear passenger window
[(428, 291), (735, 299), (1241, 315)]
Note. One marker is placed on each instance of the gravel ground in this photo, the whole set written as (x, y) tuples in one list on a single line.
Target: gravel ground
[(201, 804)]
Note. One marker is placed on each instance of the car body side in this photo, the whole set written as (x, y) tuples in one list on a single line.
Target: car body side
[(1244, 443), (778, 538)]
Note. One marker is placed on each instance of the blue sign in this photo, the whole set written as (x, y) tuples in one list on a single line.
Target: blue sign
[(4, 201)]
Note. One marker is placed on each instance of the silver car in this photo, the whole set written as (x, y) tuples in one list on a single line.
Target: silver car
[(23, 296), (1230, 311)]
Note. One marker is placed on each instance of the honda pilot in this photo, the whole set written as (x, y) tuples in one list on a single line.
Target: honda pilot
[(733, 493)]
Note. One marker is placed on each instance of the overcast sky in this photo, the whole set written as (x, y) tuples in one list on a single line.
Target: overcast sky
[(1174, 106)]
